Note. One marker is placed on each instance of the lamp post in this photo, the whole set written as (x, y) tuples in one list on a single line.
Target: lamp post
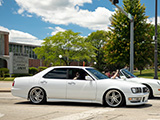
[(60, 56), (131, 18), (155, 51)]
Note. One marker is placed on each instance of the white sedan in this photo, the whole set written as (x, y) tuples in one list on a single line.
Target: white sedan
[(78, 84), (152, 84)]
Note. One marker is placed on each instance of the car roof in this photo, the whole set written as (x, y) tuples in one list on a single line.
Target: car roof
[(71, 67), (50, 68)]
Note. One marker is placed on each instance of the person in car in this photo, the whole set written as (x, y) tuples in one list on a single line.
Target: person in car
[(115, 75), (76, 76)]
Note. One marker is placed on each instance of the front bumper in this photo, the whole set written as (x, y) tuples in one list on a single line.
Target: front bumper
[(137, 99)]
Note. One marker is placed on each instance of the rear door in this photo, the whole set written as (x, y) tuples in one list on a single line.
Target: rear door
[(54, 83)]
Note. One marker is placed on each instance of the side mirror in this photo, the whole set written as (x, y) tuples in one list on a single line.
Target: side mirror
[(123, 77), (88, 78)]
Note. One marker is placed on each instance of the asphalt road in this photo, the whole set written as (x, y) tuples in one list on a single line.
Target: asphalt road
[(14, 108)]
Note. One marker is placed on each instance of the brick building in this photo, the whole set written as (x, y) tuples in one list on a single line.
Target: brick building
[(6, 47)]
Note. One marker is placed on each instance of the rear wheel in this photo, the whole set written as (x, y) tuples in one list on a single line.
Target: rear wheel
[(37, 95), (114, 98)]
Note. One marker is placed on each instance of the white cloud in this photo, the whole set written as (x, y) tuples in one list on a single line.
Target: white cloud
[(1, 1), (152, 20), (56, 30), (21, 37), (66, 12)]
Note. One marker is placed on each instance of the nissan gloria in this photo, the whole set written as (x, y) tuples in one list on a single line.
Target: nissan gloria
[(78, 84)]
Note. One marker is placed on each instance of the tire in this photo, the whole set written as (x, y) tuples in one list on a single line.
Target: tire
[(37, 95), (114, 98), (150, 92)]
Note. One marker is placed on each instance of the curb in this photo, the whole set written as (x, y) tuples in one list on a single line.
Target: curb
[(5, 90)]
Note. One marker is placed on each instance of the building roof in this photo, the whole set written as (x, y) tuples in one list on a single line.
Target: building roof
[(4, 32), (26, 44)]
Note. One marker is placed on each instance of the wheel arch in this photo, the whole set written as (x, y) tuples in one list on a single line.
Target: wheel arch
[(151, 90), (36, 87), (123, 95)]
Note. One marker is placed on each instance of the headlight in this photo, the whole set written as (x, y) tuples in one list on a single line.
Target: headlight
[(136, 90)]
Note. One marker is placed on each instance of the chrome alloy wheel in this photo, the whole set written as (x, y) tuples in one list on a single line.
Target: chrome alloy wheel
[(37, 95), (114, 98)]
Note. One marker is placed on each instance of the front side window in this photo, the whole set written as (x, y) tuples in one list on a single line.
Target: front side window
[(58, 73), (98, 75), (77, 74), (127, 74)]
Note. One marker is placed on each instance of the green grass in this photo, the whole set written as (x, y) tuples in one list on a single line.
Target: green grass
[(147, 74), (7, 79)]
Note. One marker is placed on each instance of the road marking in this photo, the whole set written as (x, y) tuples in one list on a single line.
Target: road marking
[(1, 115), (82, 115)]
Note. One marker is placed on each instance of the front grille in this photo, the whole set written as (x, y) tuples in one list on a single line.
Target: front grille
[(145, 89)]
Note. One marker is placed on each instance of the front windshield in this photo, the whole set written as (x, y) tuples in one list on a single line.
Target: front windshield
[(127, 73), (98, 75)]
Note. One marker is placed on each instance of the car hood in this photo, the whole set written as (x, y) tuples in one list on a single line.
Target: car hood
[(121, 82), (144, 79)]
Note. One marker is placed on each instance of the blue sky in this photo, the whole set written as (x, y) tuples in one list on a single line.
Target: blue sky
[(30, 21)]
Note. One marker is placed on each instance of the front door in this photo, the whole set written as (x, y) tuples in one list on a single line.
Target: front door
[(78, 88)]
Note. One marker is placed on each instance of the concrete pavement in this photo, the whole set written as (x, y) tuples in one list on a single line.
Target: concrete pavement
[(5, 86)]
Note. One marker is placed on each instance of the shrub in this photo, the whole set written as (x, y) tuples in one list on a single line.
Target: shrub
[(33, 70), (41, 68), (21, 75), (3, 71)]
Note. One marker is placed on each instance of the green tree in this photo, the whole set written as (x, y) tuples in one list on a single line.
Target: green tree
[(158, 38), (118, 43), (97, 39), (70, 45)]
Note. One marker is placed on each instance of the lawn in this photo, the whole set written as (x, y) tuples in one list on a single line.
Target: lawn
[(7, 79), (146, 74)]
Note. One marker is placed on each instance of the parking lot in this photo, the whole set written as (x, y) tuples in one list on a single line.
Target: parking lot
[(14, 108)]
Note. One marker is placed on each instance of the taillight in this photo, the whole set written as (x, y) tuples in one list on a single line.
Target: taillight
[(13, 83)]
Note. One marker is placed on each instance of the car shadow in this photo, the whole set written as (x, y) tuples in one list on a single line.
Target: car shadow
[(62, 104), (139, 106), (156, 98), (76, 104)]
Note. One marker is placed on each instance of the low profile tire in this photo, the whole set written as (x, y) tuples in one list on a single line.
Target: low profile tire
[(150, 92), (114, 98), (37, 95)]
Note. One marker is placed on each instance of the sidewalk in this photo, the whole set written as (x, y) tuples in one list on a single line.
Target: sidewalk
[(5, 86)]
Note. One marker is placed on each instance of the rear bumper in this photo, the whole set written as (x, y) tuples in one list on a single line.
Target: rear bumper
[(18, 93)]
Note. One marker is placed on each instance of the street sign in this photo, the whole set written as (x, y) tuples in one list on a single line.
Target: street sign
[(18, 63)]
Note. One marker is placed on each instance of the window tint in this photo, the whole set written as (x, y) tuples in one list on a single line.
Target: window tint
[(59, 73), (128, 74), (97, 74), (77, 74)]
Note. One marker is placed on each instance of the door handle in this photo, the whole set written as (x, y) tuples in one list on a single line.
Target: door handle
[(71, 83), (43, 82)]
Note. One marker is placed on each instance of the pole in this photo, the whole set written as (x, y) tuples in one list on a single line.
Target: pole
[(155, 51), (132, 45), (131, 35)]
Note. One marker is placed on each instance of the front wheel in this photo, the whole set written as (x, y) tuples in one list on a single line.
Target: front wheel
[(37, 95), (114, 98)]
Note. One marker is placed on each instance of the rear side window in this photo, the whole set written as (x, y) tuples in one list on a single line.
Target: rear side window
[(59, 73)]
